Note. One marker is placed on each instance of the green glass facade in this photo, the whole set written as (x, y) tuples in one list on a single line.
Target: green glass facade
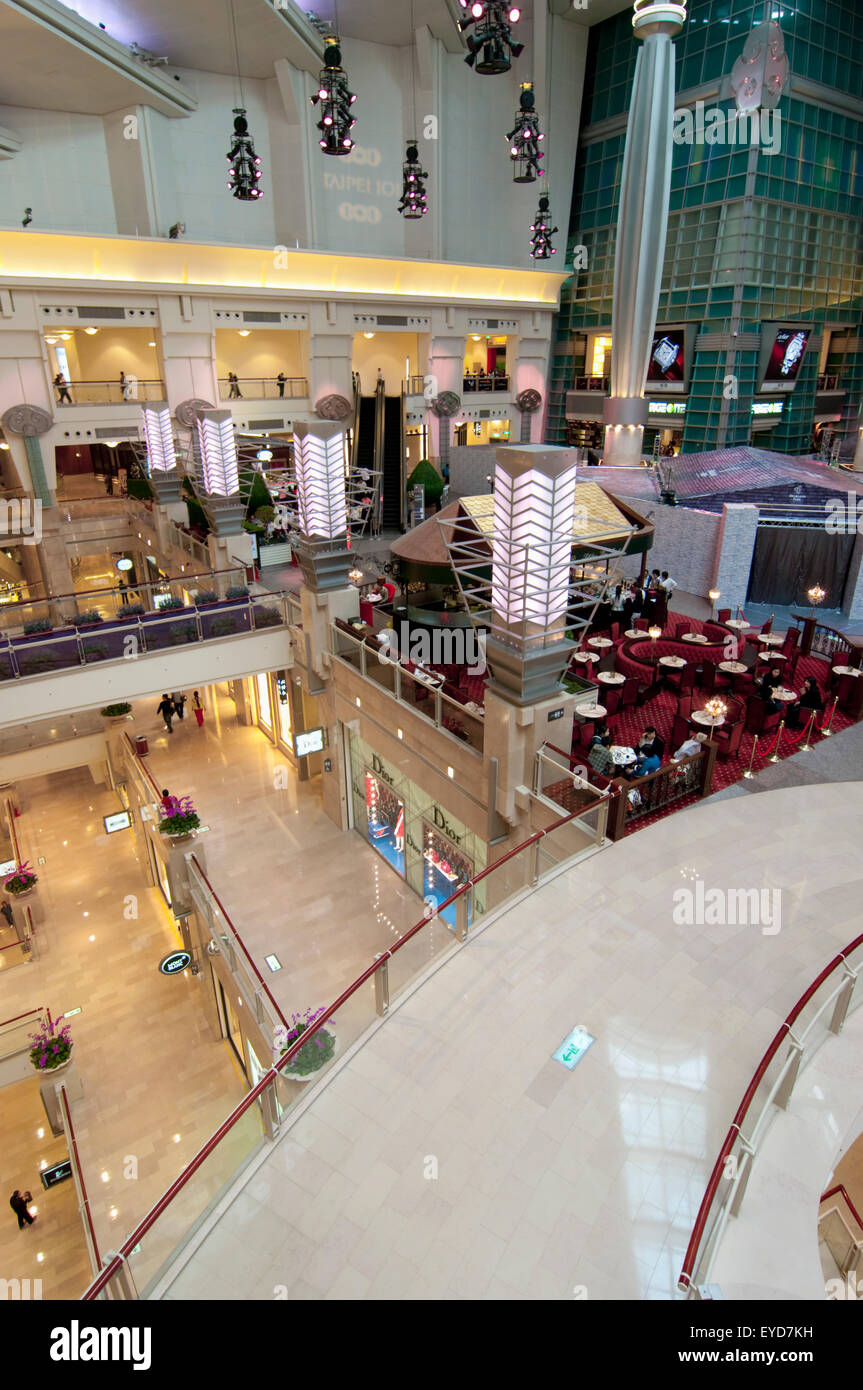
[(753, 237)]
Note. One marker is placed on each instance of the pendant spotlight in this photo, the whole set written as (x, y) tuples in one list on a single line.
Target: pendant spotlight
[(336, 100), (525, 149), (492, 44), (244, 166), (540, 242), (414, 203)]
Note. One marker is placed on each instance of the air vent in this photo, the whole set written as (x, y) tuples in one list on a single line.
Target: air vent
[(485, 414), (100, 311), (392, 321), (492, 323), (266, 425), (260, 316), (119, 432)]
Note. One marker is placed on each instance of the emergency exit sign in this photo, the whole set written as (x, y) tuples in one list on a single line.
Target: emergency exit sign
[(573, 1047)]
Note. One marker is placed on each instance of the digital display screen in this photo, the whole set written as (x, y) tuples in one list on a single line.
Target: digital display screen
[(121, 820), (312, 741), (788, 348), (667, 356)]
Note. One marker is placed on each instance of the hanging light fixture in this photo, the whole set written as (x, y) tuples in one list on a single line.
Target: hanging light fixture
[(491, 45), (414, 201), (542, 232), (335, 99), (525, 148), (244, 165)]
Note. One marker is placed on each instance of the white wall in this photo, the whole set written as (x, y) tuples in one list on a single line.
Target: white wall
[(61, 172)]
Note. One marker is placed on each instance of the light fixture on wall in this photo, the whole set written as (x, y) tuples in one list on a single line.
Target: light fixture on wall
[(490, 46), (542, 232), (525, 138), (319, 454), (414, 203), (534, 511), (335, 99), (159, 436), (244, 165), (218, 452)]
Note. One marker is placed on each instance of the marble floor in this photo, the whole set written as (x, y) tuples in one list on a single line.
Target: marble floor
[(452, 1158), (156, 1081)]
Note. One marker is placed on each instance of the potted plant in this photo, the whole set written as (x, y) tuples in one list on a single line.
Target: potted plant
[(238, 591), (179, 817), (431, 481), (314, 1054), (37, 625), (22, 881), (116, 713), (51, 1050), (90, 618), (205, 596)]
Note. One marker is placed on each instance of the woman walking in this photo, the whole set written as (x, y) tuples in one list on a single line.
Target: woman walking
[(198, 708)]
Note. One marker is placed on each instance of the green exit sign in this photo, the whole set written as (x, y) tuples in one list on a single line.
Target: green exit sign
[(573, 1047)]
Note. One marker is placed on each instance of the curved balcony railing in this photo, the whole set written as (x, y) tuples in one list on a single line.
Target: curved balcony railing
[(263, 388), (771, 1085), (109, 392), (142, 1258)]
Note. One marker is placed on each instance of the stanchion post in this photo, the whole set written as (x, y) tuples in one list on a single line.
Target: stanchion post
[(774, 756), (806, 746), (749, 773), (826, 730)]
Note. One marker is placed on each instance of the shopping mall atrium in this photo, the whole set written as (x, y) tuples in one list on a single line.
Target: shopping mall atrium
[(431, 650)]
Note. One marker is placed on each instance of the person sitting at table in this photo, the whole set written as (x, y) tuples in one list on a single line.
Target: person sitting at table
[(647, 764), (810, 699), (689, 747), (599, 755), (599, 733), (766, 686), (650, 744)]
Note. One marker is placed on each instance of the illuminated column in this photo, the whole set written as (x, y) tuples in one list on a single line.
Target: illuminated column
[(534, 514), (641, 225), (224, 506), (165, 477), (319, 456)]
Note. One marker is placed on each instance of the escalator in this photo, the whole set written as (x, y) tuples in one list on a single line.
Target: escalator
[(391, 464), (378, 446), (364, 450)]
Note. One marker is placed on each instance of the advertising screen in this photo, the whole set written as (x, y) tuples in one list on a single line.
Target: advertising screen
[(788, 348), (311, 741), (667, 356), (120, 820)]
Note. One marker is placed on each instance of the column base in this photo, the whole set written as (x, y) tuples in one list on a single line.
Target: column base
[(623, 446), (521, 678)]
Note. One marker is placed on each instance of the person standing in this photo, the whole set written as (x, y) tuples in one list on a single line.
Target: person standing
[(167, 801), (198, 708), (165, 707), (6, 911), (281, 379), (125, 387), (18, 1202), (179, 704), (235, 393), (63, 388)]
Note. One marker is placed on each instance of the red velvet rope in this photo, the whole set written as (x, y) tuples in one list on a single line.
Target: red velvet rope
[(822, 727), (795, 738), (764, 751)]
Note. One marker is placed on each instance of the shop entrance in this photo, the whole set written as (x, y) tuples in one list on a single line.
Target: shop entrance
[(230, 1024)]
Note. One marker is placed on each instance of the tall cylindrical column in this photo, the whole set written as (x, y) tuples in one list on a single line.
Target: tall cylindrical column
[(641, 225)]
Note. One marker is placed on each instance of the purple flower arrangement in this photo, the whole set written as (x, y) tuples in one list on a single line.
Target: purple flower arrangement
[(51, 1050), (22, 880), (179, 816), (313, 1054)]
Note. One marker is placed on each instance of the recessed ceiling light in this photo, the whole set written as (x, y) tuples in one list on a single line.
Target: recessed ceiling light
[(52, 341), (244, 332), (151, 344), (91, 331), (66, 337)]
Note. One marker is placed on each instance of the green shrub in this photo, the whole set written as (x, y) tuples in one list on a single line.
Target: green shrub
[(37, 625), (430, 478), (116, 711)]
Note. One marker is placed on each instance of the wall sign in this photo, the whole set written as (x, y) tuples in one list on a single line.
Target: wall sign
[(120, 820), (175, 963), (573, 1047), (58, 1173), (554, 714), (311, 741), (282, 687)]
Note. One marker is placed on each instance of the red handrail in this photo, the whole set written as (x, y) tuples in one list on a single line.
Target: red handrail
[(17, 1017), (840, 1187), (248, 1100), (242, 945), (71, 1132), (11, 810), (145, 770), (685, 1280)]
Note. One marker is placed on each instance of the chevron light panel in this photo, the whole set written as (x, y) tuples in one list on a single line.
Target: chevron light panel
[(534, 512), (219, 453), (320, 472), (159, 437)]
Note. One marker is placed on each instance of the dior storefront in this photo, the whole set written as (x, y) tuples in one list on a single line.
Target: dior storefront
[(426, 845)]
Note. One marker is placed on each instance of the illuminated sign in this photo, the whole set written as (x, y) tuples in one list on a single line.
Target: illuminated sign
[(282, 687), (58, 1173), (573, 1047), (311, 741), (175, 963), (121, 820), (767, 407), (554, 714), (667, 407)]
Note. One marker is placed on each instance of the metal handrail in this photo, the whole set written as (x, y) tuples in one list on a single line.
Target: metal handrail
[(78, 1170), (13, 834), (685, 1280), (115, 1264), (295, 388), (240, 942), (16, 1018), (840, 1187)]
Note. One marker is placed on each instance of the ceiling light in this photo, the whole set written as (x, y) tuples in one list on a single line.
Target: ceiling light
[(66, 337), (368, 335), (244, 166), (540, 242), (524, 139), (153, 344), (52, 341), (91, 331), (244, 332), (335, 99), (491, 45), (414, 203)]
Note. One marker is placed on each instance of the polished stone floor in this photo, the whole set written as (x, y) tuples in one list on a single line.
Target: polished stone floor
[(452, 1157)]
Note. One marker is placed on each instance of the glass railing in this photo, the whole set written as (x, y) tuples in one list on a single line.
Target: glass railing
[(256, 388), (484, 381), (109, 392), (142, 1265)]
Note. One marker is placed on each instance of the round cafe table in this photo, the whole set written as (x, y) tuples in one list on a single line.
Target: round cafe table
[(674, 661), (734, 668), (772, 639), (623, 756), (610, 677), (772, 657), (600, 643), (693, 637), (590, 711), (738, 623), (583, 657), (710, 721), (780, 692), (846, 671), (634, 632)]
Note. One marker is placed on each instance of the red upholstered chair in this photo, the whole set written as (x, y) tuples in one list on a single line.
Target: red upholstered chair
[(723, 615), (679, 732), (615, 632), (853, 705), (611, 699), (630, 691), (845, 691), (743, 684), (642, 624), (728, 739), (792, 637), (684, 707), (684, 680), (707, 679)]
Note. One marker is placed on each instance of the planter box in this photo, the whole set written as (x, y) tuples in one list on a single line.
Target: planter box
[(174, 628), (46, 651), (225, 618)]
